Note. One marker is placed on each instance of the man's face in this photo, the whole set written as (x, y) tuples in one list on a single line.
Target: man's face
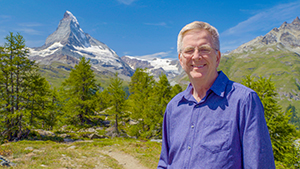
[(197, 65)]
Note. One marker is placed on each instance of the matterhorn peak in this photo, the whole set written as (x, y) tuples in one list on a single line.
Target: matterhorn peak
[(69, 16), (71, 42)]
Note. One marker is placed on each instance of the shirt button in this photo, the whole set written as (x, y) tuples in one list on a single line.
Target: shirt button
[(189, 147), (192, 126)]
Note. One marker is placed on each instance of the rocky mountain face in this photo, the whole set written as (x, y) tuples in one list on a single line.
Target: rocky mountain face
[(69, 43), (286, 37), (155, 66)]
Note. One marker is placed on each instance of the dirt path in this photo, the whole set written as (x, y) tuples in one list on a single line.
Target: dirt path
[(126, 160)]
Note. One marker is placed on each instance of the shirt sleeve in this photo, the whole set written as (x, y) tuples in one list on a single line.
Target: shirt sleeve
[(256, 143), (163, 160)]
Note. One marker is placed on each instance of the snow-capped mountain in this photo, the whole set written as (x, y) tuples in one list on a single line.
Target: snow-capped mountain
[(69, 43), (155, 66)]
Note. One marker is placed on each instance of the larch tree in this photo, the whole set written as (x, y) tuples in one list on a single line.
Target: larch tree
[(80, 91), (15, 83), (118, 98), (140, 88)]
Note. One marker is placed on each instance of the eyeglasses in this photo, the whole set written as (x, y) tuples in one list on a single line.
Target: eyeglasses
[(189, 51)]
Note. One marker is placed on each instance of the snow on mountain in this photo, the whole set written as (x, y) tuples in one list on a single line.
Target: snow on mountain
[(155, 66), (71, 41)]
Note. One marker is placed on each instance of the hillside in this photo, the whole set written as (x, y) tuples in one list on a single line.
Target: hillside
[(282, 66)]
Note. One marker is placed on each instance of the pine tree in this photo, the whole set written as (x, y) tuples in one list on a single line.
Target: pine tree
[(159, 98), (175, 90), (81, 89), (16, 70), (118, 98), (140, 88), (283, 134)]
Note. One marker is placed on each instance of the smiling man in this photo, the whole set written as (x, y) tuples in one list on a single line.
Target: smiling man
[(215, 123)]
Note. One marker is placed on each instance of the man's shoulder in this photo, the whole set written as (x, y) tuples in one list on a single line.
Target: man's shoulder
[(241, 90)]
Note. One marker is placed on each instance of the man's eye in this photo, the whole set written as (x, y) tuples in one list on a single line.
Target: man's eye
[(191, 50), (204, 49)]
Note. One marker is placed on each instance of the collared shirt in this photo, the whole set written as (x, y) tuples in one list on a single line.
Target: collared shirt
[(226, 129)]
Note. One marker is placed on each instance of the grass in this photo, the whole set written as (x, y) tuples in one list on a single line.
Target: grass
[(85, 154)]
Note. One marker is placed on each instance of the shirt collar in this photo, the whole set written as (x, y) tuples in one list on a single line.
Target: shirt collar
[(218, 87)]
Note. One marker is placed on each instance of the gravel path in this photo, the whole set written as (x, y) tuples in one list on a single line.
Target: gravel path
[(126, 160)]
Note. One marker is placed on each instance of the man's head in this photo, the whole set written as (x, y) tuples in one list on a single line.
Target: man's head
[(198, 52), (198, 25)]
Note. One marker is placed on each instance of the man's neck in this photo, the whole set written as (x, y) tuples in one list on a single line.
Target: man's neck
[(200, 87)]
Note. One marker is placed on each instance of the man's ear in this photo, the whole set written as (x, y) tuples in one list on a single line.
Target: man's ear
[(218, 58), (180, 59)]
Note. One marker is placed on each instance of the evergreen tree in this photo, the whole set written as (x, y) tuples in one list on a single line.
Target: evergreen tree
[(159, 98), (140, 87), (103, 100), (175, 90), (283, 134), (80, 90), (295, 119), (118, 98), (15, 83)]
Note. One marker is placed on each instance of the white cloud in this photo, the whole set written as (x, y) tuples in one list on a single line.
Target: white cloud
[(5, 16), (29, 31), (156, 55), (126, 2), (259, 24), (30, 24)]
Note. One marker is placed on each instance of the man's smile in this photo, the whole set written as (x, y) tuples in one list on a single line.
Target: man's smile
[(198, 66)]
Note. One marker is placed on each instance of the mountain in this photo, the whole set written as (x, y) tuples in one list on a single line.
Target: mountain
[(69, 43), (155, 66), (275, 55), (287, 37)]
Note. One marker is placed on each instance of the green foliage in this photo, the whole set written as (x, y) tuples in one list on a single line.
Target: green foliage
[(140, 88), (118, 97), (23, 90), (282, 133), (295, 118), (148, 101), (80, 90)]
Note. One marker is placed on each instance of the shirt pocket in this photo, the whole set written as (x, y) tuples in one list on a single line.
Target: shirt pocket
[(216, 136)]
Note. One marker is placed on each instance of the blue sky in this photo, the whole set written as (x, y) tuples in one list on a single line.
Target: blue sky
[(146, 27)]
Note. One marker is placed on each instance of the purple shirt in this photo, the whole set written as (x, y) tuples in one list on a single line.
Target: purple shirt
[(226, 129)]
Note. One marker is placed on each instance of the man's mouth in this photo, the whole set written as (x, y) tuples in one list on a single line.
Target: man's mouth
[(199, 66)]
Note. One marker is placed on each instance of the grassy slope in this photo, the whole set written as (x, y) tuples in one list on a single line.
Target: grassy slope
[(40, 154)]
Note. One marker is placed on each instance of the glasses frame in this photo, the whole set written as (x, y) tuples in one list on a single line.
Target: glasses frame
[(197, 48)]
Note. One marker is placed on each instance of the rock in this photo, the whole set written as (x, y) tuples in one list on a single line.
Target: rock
[(29, 148), (72, 147), (44, 133), (5, 162), (96, 136), (68, 140), (64, 136)]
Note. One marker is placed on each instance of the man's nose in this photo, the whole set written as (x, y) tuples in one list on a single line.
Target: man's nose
[(197, 54)]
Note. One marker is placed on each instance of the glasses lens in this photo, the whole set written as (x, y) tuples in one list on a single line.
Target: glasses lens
[(203, 50)]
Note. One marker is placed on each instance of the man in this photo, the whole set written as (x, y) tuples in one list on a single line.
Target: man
[(215, 123)]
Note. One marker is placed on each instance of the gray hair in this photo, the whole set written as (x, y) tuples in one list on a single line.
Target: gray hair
[(199, 25)]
